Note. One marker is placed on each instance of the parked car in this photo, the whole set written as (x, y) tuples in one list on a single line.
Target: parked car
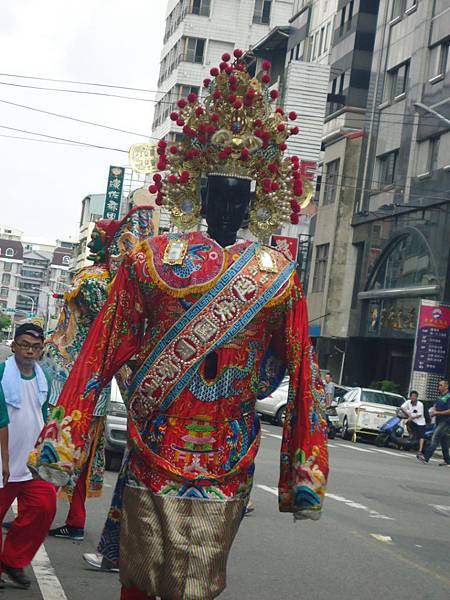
[(364, 411), (115, 427), (273, 407)]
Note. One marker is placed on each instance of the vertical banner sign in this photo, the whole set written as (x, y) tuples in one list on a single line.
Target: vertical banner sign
[(432, 340), (114, 193), (287, 245)]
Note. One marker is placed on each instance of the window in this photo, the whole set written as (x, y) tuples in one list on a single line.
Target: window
[(396, 83), (9, 252), (261, 14), (7, 266), (398, 8), (4, 292), (326, 40), (433, 153), (322, 33), (342, 23), (299, 50), (193, 50), (439, 60), (6, 278), (387, 167), (200, 7), (320, 267), (350, 14), (331, 182), (66, 260)]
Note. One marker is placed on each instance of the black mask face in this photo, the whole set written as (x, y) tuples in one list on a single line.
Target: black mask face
[(227, 203)]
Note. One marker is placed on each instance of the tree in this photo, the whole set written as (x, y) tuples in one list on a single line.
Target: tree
[(5, 321)]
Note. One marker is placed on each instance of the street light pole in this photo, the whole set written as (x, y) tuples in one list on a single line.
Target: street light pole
[(29, 298)]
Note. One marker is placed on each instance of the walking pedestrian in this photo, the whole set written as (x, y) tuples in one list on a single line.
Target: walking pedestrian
[(441, 410), (23, 402), (416, 418)]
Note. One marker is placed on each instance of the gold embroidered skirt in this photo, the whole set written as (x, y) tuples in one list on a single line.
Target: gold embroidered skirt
[(176, 548)]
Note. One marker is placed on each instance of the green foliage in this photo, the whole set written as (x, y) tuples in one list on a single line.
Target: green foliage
[(5, 321), (386, 385)]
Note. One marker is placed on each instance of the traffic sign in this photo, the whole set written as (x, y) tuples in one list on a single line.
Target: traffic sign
[(10, 311)]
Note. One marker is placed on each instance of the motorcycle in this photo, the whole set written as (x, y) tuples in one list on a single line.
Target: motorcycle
[(332, 421), (392, 432)]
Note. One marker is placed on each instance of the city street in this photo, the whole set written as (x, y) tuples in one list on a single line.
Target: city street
[(385, 533)]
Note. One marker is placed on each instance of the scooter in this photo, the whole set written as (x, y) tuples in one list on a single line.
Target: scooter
[(392, 432), (332, 421)]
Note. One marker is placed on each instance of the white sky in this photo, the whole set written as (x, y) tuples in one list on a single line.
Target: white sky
[(104, 41)]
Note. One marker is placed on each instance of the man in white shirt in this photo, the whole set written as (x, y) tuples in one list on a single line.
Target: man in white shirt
[(24, 391), (329, 389), (416, 418)]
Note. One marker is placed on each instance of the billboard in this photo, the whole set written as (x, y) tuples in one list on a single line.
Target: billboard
[(113, 193), (287, 245), (432, 339)]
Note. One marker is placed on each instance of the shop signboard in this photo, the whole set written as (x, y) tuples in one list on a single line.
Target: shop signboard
[(432, 340), (287, 245), (113, 193)]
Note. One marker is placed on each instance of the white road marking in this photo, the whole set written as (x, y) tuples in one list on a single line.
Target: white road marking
[(48, 582), (331, 445), (444, 510), (350, 503), (356, 448), (382, 538), (275, 435)]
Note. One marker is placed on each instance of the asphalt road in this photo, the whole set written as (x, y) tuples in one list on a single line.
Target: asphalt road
[(385, 533)]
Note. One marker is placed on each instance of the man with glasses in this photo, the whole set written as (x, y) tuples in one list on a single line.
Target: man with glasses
[(24, 392)]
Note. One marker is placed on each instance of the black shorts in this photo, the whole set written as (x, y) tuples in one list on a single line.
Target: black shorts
[(419, 430)]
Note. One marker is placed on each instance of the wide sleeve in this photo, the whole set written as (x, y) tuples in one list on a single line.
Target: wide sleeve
[(64, 444), (304, 454)]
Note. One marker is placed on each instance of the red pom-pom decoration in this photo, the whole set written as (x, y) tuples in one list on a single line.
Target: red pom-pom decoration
[(237, 105), (211, 129), (180, 122), (267, 185), (282, 147), (215, 117), (192, 97), (229, 150), (157, 178), (295, 206), (279, 110), (266, 78), (173, 149), (238, 53), (266, 65), (199, 111), (217, 94), (174, 116), (232, 80), (274, 94), (184, 177), (214, 71), (159, 200), (161, 165), (240, 67), (152, 189), (273, 168), (202, 138), (232, 98), (172, 179), (292, 115), (226, 57), (223, 66), (294, 130), (258, 133), (162, 144), (275, 186), (248, 101), (229, 70), (206, 82), (223, 155), (245, 154), (281, 127), (294, 219), (257, 123), (182, 103), (160, 151)]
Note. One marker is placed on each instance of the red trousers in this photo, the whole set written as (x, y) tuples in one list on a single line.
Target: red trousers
[(76, 516), (36, 503)]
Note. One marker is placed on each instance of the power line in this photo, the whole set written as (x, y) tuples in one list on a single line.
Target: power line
[(46, 112), (63, 139), (29, 139), (106, 85), (36, 87)]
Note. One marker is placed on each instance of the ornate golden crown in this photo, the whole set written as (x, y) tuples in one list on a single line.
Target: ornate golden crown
[(234, 133)]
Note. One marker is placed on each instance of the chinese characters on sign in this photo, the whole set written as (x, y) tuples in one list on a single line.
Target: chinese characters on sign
[(114, 193), (432, 340), (287, 245)]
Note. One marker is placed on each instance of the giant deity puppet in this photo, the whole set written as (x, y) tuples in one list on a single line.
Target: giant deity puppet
[(200, 312), (111, 241)]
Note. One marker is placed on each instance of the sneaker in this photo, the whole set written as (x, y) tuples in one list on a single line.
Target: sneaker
[(421, 458), (444, 464), (249, 509), (7, 525), (17, 576), (67, 532), (99, 562)]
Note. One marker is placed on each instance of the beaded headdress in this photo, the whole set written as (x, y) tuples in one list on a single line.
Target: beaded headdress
[(234, 132)]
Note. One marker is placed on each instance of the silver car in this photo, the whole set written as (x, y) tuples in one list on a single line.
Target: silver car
[(115, 427), (274, 406)]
